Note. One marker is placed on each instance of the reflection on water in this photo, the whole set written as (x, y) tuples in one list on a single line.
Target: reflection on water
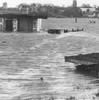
[(21, 73)]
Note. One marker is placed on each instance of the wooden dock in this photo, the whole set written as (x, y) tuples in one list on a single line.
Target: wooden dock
[(63, 30), (85, 62)]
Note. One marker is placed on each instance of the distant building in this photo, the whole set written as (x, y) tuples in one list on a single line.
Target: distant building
[(88, 11), (74, 3), (97, 13), (19, 19)]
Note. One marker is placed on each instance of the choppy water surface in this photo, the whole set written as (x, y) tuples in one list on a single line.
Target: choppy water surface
[(23, 67)]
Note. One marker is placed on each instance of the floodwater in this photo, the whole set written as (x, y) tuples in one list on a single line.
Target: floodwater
[(38, 72)]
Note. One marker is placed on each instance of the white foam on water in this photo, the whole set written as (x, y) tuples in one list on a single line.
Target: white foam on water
[(45, 41), (14, 86), (28, 73), (79, 34), (87, 95), (10, 89), (25, 74), (1, 51)]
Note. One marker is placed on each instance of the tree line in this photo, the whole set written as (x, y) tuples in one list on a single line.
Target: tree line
[(55, 11)]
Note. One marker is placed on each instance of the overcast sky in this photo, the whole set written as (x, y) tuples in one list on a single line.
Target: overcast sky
[(13, 3)]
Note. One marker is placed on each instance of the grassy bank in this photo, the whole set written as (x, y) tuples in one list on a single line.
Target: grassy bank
[(69, 23)]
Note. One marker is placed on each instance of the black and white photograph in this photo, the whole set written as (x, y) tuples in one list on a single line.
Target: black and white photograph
[(49, 49)]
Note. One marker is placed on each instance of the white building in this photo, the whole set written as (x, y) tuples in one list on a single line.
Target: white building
[(91, 9)]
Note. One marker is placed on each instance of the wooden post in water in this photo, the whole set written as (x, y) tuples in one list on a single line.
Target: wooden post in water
[(76, 20)]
